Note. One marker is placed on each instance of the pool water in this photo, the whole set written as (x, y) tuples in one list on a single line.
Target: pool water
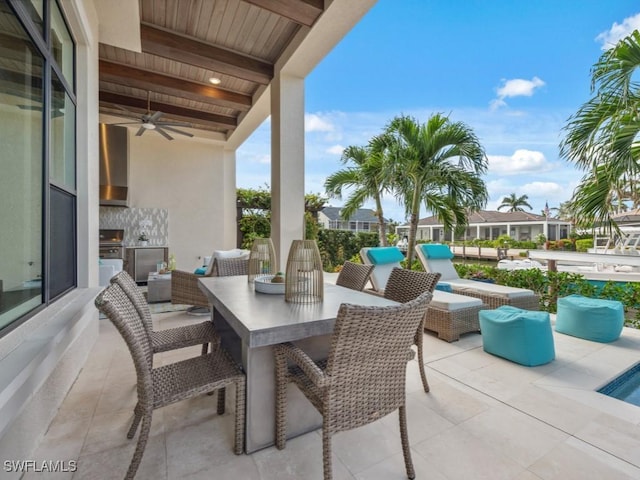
[(626, 387)]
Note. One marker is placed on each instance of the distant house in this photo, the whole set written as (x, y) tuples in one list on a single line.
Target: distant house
[(364, 220), (489, 225)]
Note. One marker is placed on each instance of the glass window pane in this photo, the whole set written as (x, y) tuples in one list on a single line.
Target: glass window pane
[(21, 99), (61, 43), (63, 127), (35, 10), (62, 270)]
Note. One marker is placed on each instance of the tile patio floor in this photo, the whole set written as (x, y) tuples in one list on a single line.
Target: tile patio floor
[(485, 418)]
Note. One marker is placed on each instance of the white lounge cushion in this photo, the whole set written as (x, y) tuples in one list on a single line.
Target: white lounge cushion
[(501, 290), (233, 253), (452, 302)]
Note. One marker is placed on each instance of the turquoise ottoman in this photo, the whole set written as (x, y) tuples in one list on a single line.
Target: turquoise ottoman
[(522, 336), (590, 318)]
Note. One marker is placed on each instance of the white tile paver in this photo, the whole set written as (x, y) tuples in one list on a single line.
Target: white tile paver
[(485, 417)]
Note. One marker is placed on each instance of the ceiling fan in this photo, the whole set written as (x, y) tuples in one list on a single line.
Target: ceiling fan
[(151, 121)]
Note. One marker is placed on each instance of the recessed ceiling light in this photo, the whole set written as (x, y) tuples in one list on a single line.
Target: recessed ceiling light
[(215, 80)]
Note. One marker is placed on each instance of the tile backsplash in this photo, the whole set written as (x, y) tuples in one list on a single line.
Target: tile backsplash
[(153, 221)]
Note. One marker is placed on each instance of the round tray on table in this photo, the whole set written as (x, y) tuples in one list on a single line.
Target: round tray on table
[(263, 284)]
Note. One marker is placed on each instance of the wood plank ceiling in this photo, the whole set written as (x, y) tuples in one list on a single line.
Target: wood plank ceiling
[(187, 42)]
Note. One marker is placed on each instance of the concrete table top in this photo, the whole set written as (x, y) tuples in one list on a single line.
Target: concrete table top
[(263, 319)]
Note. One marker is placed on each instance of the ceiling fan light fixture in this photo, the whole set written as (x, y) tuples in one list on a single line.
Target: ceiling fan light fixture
[(149, 126), (215, 80)]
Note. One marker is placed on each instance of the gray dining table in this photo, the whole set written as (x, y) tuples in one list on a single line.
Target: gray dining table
[(250, 323)]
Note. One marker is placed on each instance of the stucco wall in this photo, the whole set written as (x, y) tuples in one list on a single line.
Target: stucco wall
[(189, 178)]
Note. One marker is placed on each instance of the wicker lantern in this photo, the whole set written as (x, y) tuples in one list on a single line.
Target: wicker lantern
[(304, 277), (262, 259)]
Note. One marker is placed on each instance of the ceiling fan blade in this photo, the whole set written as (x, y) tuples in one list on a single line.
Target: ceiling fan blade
[(140, 132), (154, 117), (119, 107), (174, 124), (127, 123), (171, 129), (163, 133)]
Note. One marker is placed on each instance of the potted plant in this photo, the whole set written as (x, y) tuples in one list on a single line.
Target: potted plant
[(143, 239)]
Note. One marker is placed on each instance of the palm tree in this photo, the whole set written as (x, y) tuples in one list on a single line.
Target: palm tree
[(438, 163), (602, 137), (515, 203), (367, 179)]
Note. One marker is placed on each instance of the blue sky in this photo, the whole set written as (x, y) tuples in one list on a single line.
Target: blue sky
[(513, 70)]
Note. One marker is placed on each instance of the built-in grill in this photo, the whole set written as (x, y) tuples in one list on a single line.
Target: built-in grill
[(111, 245)]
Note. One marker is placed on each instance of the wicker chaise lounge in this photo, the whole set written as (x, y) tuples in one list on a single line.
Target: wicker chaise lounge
[(437, 257), (448, 314)]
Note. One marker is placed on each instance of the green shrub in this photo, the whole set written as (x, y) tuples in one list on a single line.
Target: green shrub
[(336, 246), (584, 244)]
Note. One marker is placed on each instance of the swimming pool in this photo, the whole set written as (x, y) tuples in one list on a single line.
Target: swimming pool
[(626, 387)]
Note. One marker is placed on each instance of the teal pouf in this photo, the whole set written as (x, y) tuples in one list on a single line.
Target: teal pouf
[(522, 336), (590, 318)]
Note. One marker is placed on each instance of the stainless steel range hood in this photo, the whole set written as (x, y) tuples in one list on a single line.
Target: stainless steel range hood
[(114, 166)]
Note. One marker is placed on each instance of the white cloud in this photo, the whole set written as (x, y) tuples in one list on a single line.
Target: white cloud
[(550, 190), (618, 31), (522, 161), (335, 150), (516, 87), (316, 123)]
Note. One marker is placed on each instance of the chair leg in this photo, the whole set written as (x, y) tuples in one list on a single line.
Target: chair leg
[(241, 387), (281, 400), (142, 443), (326, 449), (406, 449), (222, 397), (419, 341), (137, 416)]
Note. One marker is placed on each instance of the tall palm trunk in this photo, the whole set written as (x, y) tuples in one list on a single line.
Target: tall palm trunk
[(413, 223), (382, 226)]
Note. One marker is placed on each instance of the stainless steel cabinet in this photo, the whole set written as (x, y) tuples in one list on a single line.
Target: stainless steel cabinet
[(141, 261)]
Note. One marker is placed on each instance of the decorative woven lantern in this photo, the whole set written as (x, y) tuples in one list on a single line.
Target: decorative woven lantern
[(262, 259), (304, 281)]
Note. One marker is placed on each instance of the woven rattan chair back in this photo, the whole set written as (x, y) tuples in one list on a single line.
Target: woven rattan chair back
[(130, 287), (226, 267), (354, 275), (118, 307), (363, 378), (367, 362), (405, 285)]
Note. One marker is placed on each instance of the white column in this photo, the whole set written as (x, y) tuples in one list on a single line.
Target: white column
[(229, 222), (478, 231), (287, 163)]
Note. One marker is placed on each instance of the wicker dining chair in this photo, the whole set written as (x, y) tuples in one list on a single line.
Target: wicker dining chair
[(363, 378), (354, 275), (167, 384), (405, 285), (172, 338), (184, 285)]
